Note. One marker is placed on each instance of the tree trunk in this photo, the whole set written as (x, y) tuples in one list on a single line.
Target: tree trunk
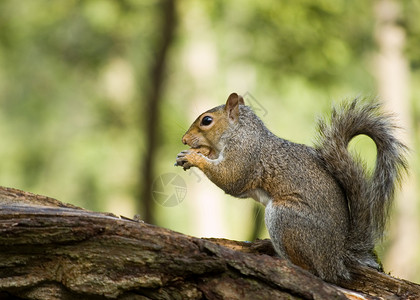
[(51, 250), (153, 100), (393, 78)]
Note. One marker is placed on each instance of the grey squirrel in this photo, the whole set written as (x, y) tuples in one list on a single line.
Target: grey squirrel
[(324, 212)]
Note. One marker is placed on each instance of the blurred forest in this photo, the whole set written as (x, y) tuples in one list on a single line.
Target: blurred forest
[(95, 96)]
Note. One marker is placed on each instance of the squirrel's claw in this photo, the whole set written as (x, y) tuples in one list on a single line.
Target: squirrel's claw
[(182, 161)]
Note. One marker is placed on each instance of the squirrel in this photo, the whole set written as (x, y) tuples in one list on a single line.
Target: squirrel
[(324, 212)]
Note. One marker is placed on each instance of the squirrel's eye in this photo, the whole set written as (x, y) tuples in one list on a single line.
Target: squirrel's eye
[(206, 120)]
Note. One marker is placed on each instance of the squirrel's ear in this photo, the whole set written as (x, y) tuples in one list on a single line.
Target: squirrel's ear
[(232, 106)]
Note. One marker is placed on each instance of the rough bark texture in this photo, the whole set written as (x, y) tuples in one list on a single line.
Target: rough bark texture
[(51, 250)]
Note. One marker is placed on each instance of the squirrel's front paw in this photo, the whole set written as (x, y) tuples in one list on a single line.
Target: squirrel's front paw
[(187, 158), (182, 159)]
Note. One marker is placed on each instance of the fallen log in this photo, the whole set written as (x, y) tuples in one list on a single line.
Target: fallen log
[(52, 250)]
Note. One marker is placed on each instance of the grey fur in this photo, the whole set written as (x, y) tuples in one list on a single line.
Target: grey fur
[(323, 212), (369, 198)]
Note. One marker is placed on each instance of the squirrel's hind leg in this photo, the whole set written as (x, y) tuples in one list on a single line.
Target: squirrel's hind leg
[(299, 237)]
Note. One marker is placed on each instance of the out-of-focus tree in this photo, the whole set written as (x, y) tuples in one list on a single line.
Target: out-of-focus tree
[(153, 97), (393, 76)]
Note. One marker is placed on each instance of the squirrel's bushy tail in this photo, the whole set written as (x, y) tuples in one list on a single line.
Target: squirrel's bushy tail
[(369, 196)]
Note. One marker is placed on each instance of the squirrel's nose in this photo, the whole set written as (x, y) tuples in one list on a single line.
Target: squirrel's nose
[(184, 140)]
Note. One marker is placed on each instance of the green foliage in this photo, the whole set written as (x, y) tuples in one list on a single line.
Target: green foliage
[(411, 24), (68, 130)]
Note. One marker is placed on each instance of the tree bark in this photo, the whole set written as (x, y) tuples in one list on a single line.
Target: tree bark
[(52, 250)]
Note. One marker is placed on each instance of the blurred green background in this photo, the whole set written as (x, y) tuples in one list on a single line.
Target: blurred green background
[(95, 96)]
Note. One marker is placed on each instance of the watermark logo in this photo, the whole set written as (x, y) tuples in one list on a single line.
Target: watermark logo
[(256, 106), (169, 189)]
